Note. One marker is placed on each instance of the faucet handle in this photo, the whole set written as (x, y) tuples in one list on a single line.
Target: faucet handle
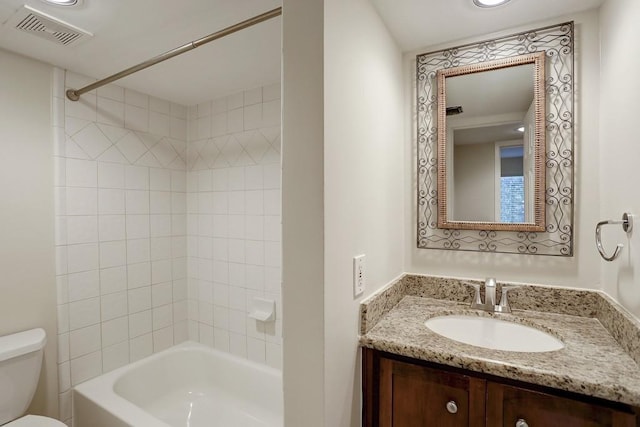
[(504, 306), (476, 298)]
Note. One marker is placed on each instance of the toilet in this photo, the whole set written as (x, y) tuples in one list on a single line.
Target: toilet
[(20, 363)]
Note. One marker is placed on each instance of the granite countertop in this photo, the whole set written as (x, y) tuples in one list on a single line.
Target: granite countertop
[(592, 363)]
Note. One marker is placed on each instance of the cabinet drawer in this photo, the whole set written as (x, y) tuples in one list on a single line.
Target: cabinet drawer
[(417, 396), (506, 405)]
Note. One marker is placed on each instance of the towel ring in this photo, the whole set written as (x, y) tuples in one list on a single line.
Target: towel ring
[(627, 225)]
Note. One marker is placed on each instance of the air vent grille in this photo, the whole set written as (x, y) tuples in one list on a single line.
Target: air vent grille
[(42, 25)]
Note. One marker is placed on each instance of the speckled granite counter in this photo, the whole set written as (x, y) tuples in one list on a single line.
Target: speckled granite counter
[(596, 361)]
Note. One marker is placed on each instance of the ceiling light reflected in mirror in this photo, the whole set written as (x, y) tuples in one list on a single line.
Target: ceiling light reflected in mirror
[(489, 3)]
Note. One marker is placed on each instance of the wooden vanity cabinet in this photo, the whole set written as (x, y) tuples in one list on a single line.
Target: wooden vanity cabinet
[(401, 392)]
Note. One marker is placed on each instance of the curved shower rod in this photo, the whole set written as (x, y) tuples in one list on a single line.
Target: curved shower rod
[(74, 94)]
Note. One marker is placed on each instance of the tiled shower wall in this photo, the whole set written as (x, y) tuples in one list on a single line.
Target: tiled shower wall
[(129, 189), (120, 229), (234, 222)]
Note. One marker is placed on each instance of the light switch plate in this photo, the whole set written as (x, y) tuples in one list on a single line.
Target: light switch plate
[(359, 275)]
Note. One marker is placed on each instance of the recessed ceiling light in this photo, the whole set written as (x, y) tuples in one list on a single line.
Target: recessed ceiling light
[(64, 2), (520, 129), (489, 3)]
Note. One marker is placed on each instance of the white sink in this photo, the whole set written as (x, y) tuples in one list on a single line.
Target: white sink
[(493, 333)]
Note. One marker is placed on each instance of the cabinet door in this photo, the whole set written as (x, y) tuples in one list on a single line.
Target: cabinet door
[(417, 396), (506, 405)]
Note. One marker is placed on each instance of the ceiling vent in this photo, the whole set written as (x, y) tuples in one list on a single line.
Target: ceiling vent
[(47, 27)]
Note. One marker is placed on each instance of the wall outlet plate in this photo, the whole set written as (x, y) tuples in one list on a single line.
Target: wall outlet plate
[(359, 275)]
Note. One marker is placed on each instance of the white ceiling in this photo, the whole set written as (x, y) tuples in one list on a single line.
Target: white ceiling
[(127, 32), (422, 23)]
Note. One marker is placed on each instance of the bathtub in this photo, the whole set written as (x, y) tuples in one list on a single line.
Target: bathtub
[(189, 385)]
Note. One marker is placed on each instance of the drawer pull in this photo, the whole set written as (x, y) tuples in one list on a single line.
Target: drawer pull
[(453, 408), (521, 423)]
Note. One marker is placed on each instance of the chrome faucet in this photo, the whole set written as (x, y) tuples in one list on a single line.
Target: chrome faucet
[(490, 292), (489, 303)]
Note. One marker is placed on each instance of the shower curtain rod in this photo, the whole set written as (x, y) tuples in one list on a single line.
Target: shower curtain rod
[(74, 94)]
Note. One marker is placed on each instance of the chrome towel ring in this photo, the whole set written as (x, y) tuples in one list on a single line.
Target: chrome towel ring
[(627, 226)]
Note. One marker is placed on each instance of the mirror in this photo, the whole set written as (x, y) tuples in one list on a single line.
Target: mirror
[(491, 145)]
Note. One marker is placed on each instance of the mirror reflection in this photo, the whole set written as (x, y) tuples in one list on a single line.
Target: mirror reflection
[(490, 148)]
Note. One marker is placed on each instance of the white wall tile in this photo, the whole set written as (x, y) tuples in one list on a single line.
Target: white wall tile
[(136, 178), (235, 101), (139, 275), (253, 96), (136, 118), (140, 347), (86, 367), (160, 179), (137, 202), (82, 229), (138, 99), (81, 201), (160, 202), (256, 350), (115, 356), (111, 201), (252, 118), (138, 250), (81, 173), (113, 254), (271, 92), (160, 248), (84, 341), (82, 257), (159, 105), (110, 112), (110, 175), (139, 299), (238, 344), (83, 285), (115, 331), (84, 313), (112, 227), (137, 226), (113, 305), (162, 316), (140, 323), (161, 294), (113, 280), (162, 339), (235, 120), (160, 225)]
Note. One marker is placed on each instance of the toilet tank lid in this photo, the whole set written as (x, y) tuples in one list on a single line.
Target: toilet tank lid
[(15, 345)]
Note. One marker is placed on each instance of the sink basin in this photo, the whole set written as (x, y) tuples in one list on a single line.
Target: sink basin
[(493, 333)]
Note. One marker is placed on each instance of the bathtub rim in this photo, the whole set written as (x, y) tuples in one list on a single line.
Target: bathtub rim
[(113, 403)]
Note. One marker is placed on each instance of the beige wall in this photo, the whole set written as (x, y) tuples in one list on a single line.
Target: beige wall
[(303, 214), (364, 165), (581, 270), (342, 196), (620, 146), (28, 288), (474, 182)]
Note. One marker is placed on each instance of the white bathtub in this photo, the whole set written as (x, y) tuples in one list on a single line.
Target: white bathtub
[(189, 385)]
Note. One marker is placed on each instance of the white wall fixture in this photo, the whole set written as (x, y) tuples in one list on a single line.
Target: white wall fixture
[(627, 227), (263, 309), (359, 275)]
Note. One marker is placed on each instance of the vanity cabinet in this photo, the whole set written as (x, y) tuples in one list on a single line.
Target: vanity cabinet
[(402, 392)]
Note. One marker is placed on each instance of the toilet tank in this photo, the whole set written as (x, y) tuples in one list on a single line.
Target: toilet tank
[(20, 363)]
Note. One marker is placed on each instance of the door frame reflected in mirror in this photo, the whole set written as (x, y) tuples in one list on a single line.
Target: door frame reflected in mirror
[(444, 154)]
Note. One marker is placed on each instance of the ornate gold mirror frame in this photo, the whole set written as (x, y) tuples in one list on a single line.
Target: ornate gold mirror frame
[(538, 196)]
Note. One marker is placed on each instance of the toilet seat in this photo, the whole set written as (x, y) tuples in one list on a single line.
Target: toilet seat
[(35, 421)]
